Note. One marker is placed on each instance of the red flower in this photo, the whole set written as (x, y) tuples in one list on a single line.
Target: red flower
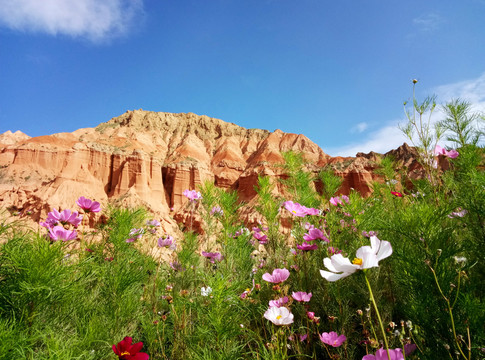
[(395, 193), (126, 351)]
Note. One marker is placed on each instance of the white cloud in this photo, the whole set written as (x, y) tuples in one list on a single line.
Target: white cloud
[(390, 137), (428, 22), (95, 20), (386, 138), (360, 127)]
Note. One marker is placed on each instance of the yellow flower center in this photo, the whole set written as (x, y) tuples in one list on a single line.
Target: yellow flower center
[(357, 261), (279, 317), (125, 353)]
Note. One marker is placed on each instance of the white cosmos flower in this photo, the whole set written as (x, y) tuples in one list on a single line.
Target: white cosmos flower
[(366, 257), (205, 291), (279, 315)]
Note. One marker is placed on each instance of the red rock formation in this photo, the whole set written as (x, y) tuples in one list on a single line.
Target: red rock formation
[(148, 158)]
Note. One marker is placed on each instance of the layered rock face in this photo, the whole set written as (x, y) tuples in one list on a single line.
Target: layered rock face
[(150, 158)]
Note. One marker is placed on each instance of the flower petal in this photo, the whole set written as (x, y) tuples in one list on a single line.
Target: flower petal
[(332, 276), (385, 250)]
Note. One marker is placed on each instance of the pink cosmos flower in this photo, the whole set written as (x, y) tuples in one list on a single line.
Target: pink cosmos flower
[(381, 354), (66, 216), (262, 238), (212, 256), (279, 316), (333, 339), (168, 242), (278, 276), (310, 314), (135, 234), (295, 208), (458, 213), (339, 200), (88, 205), (307, 247), (301, 296), (314, 234), (153, 223), (217, 211), (192, 195), (279, 302), (396, 193), (126, 351), (452, 154), (59, 233)]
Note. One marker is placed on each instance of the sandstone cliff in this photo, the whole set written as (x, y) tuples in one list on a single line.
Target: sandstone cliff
[(150, 158)]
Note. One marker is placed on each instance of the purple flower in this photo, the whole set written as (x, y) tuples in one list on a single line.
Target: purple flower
[(278, 302), (299, 210), (216, 210), (59, 233), (314, 234), (339, 200), (88, 205), (409, 349), (333, 339), (168, 242), (64, 217), (381, 354), (153, 223), (301, 296), (175, 265), (303, 337), (452, 154), (458, 213), (262, 238), (307, 247), (192, 195), (278, 276), (212, 256)]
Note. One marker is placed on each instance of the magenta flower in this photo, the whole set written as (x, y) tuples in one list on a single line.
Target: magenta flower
[(339, 200), (301, 296), (262, 238), (217, 211), (332, 339), (458, 213), (314, 234), (278, 302), (396, 193), (168, 242), (192, 195), (126, 351), (307, 247), (312, 211), (295, 208), (278, 276), (381, 354), (59, 233), (135, 234), (153, 223), (64, 217), (212, 256), (88, 205), (452, 154)]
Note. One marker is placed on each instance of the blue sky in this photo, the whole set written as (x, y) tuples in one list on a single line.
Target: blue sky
[(335, 71)]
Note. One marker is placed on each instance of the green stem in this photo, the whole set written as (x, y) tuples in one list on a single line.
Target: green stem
[(378, 315)]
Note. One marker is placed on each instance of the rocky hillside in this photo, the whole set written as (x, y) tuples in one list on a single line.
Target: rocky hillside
[(150, 158)]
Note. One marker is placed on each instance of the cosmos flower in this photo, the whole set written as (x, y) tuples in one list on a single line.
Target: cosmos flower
[(206, 291), (262, 238), (64, 217), (278, 276), (88, 205), (381, 354), (279, 315), (307, 247), (452, 154), (212, 256), (301, 296), (366, 257), (126, 351), (217, 211), (168, 242), (339, 200), (396, 193), (192, 195), (278, 302), (59, 233), (332, 338), (299, 210), (314, 234)]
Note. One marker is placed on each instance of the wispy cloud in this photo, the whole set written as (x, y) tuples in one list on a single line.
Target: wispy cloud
[(390, 137), (359, 128), (428, 22), (94, 20)]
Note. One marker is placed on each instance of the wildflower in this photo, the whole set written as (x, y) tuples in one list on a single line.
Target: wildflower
[(332, 338), (279, 315), (396, 193), (310, 314), (212, 256), (303, 337), (367, 257), (175, 265), (126, 351), (458, 213), (59, 233), (262, 238), (307, 247), (301, 296), (339, 200), (206, 291), (135, 234), (333, 250), (459, 259), (299, 210), (452, 154), (314, 234), (66, 216), (278, 276), (217, 211), (278, 302), (153, 223), (409, 349), (192, 195), (88, 205), (381, 354), (168, 242)]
